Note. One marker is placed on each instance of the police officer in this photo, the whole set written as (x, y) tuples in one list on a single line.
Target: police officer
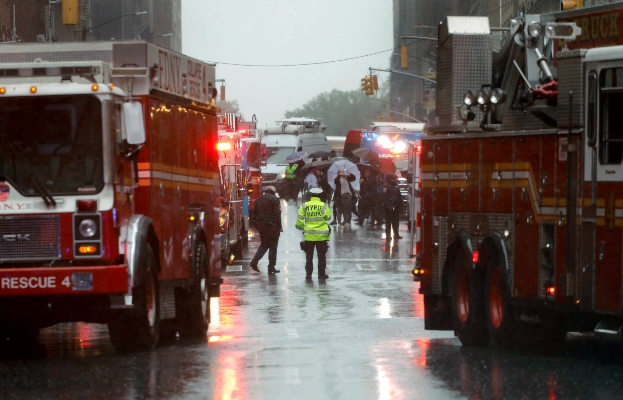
[(312, 219), (291, 191), (268, 220)]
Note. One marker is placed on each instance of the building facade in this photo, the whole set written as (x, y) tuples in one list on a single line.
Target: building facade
[(156, 21)]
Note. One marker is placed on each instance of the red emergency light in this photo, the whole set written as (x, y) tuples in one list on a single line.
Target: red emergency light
[(418, 148), (223, 146), (551, 290), (475, 257)]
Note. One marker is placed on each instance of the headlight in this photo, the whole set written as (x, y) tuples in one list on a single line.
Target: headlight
[(283, 175), (497, 96), (483, 95), (535, 30), (87, 228), (399, 147), (469, 98), (384, 142)]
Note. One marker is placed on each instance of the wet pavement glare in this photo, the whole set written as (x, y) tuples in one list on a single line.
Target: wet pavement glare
[(359, 335)]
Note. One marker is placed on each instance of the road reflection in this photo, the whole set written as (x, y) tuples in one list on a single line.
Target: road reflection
[(511, 374)]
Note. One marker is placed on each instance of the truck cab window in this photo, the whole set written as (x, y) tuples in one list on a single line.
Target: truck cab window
[(591, 112), (611, 118)]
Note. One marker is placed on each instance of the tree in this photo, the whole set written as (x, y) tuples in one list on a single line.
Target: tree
[(341, 111), (230, 106)]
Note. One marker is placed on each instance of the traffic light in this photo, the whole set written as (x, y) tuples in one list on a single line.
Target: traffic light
[(404, 57), (375, 82), (570, 4), (369, 87), (363, 85), (222, 92), (70, 12)]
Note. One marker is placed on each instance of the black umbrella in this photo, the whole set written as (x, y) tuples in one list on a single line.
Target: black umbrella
[(320, 154), (365, 154)]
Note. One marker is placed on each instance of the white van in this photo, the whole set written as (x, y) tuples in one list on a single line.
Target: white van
[(279, 146)]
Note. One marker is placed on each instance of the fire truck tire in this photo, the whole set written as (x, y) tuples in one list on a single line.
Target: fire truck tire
[(500, 320), (468, 311), (193, 306), (139, 329)]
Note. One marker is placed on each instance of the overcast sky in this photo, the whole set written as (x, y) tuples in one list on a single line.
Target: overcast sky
[(287, 32)]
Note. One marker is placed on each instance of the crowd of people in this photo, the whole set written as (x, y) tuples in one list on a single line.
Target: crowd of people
[(379, 201)]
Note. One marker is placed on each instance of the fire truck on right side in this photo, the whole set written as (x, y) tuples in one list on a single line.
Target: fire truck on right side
[(522, 179)]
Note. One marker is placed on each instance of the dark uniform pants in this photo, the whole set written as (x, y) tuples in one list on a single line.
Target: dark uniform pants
[(268, 242), (321, 248), (392, 219)]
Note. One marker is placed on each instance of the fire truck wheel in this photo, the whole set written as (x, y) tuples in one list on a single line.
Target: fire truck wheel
[(140, 328), (193, 306), (467, 305), (499, 313)]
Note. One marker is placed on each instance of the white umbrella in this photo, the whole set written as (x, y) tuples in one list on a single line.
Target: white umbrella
[(347, 165)]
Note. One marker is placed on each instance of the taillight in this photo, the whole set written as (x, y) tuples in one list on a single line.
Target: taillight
[(475, 257), (223, 146), (551, 290)]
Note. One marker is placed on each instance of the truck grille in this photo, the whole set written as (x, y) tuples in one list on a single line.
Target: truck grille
[(269, 177), (29, 238)]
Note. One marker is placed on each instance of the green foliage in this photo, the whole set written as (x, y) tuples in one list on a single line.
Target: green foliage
[(342, 111), (230, 106)]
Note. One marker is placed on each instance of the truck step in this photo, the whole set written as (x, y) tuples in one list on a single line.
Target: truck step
[(608, 329)]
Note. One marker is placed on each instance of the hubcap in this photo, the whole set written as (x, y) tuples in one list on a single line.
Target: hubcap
[(462, 295), (496, 300)]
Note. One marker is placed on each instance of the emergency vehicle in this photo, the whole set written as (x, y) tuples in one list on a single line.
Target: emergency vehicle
[(109, 190), (399, 142), (255, 152), (234, 179), (522, 180)]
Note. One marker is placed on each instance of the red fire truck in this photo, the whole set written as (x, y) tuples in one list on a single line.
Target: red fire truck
[(109, 190), (522, 181)]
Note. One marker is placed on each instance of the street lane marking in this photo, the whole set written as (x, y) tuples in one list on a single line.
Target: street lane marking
[(366, 267), (292, 333), (405, 267), (292, 375), (231, 268), (383, 285)]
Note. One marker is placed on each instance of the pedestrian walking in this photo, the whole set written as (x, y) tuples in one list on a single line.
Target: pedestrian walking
[(345, 192), (367, 193), (312, 219), (311, 181), (268, 219), (377, 208), (392, 203)]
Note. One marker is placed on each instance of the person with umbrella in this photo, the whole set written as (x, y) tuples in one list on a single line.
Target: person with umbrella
[(312, 219), (345, 194), (392, 203), (311, 181), (292, 190)]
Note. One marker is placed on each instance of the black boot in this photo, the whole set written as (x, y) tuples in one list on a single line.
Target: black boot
[(272, 270)]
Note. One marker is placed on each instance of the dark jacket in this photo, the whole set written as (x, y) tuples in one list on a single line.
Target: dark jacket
[(392, 198), (338, 186), (368, 187), (268, 213)]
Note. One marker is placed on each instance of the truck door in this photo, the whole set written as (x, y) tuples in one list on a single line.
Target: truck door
[(601, 213)]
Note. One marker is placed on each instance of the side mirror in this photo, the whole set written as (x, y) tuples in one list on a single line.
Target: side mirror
[(134, 123)]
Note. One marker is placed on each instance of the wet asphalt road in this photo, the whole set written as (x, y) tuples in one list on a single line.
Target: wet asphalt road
[(359, 335)]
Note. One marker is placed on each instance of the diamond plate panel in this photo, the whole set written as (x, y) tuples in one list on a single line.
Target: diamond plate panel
[(440, 235)]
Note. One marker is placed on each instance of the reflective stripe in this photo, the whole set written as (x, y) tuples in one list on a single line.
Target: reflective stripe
[(315, 219), (316, 232)]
